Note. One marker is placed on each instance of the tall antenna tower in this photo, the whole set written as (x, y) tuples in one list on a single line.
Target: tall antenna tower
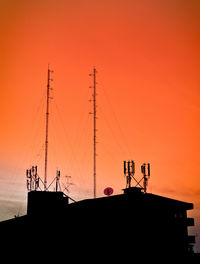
[(47, 126), (95, 125)]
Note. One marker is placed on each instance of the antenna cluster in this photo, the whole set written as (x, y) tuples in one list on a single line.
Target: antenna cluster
[(129, 172), (32, 179)]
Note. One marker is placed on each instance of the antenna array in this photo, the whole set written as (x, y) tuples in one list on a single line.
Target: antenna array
[(145, 169), (32, 179), (129, 172)]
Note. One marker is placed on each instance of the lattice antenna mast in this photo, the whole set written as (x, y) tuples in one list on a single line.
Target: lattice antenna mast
[(95, 125), (47, 126)]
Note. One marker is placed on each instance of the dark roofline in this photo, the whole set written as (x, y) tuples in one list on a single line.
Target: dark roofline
[(188, 206), (14, 220), (147, 196)]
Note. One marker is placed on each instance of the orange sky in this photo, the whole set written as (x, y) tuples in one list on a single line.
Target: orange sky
[(147, 57)]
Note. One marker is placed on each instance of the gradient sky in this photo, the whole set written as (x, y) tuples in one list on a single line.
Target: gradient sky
[(147, 57)]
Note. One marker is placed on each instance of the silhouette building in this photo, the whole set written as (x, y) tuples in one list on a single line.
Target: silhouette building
[(134, 221)]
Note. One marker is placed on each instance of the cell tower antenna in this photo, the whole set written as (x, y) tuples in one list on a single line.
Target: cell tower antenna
[(95, 125), (47, 126), (129, 171)]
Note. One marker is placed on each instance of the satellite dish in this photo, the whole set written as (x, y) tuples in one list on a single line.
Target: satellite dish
[(108, 191)]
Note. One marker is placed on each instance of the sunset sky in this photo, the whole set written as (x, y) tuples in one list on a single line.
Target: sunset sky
[(147, 56)]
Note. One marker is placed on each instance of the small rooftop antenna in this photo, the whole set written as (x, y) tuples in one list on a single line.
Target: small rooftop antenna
[(129, 171), (145, 169), (68, 183), (57, 180), (32, 179), (94, 122), (47, 126)]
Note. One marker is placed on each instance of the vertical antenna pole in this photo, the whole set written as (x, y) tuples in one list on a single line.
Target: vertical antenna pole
[(47, 128), (95, 125), (94, 75)]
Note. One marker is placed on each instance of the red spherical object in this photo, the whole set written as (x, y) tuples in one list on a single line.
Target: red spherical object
[(108, 191)]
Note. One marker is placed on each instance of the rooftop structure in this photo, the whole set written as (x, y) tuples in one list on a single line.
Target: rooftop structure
[(141, 221)]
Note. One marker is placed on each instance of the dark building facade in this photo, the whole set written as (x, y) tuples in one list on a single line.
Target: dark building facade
[(132, 223)]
